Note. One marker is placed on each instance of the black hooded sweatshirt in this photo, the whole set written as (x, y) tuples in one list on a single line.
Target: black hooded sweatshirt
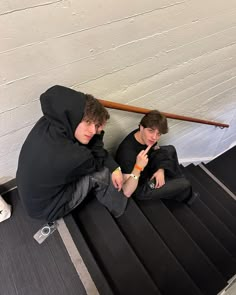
[(52, 160)]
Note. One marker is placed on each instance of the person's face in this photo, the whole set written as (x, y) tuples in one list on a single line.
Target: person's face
[(149, 136), (86, 130)]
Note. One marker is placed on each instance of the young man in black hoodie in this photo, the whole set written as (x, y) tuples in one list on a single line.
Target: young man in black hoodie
[(63, 158), (152, 172)]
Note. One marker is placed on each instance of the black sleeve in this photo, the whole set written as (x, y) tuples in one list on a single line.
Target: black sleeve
[(110, 163), (96, 145), (85, 164)]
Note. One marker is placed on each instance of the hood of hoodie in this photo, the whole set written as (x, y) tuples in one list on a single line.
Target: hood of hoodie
[(63, 108)]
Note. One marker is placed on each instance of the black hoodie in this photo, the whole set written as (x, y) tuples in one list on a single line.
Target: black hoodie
[(52, 160)]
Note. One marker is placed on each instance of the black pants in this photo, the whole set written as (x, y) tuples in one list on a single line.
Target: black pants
[(176, 187), (100, 184)]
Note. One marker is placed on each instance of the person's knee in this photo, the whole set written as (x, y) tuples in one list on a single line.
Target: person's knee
[(187, 191), (170, 149), (186, 183)]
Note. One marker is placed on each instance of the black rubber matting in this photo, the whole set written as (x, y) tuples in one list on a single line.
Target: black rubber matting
[(28, 268)]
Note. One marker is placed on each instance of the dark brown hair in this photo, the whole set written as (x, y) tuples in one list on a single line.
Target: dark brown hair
[(155, 119), (94, 111)]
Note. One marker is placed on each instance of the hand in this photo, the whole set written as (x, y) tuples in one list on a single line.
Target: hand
[(159, 175), (96, 146), (100, 128), (117, 179), (142, 157), (96, 141)]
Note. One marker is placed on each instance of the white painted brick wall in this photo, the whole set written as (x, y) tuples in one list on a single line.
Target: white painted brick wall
[(176, 56)]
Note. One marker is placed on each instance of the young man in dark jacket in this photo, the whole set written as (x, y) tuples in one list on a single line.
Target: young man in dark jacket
[(63, 158), (150, 171)]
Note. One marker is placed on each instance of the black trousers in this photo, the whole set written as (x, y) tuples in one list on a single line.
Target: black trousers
[(101, 186), (176, 187)]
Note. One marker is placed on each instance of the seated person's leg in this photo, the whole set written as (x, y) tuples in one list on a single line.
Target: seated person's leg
[(172, 154), (100, 184), (82, 188), (171, 150), (115, 201), (166, 158), (178, 189)]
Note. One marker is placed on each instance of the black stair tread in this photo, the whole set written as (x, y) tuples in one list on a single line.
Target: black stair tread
[(194, 261), (218, 255), (120, 265), (223, 167), (219, 193), (88, 258), (210, 201), (214, 224), (161, 264)]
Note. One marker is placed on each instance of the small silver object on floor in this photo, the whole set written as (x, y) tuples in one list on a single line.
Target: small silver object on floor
[(45, 231), (5, 210)]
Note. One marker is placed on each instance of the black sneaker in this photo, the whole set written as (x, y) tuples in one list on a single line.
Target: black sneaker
[(193, 198)]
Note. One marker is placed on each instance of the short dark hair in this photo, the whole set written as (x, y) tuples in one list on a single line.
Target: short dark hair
[(155, 119), (94, 111)]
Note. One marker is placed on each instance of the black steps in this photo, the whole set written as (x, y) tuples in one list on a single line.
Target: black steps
[(195, 263), (205, 210), (212, 248), (114, 254), (211, 201), (214, 189), (223, 168), (161, 247), (154, 253)]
